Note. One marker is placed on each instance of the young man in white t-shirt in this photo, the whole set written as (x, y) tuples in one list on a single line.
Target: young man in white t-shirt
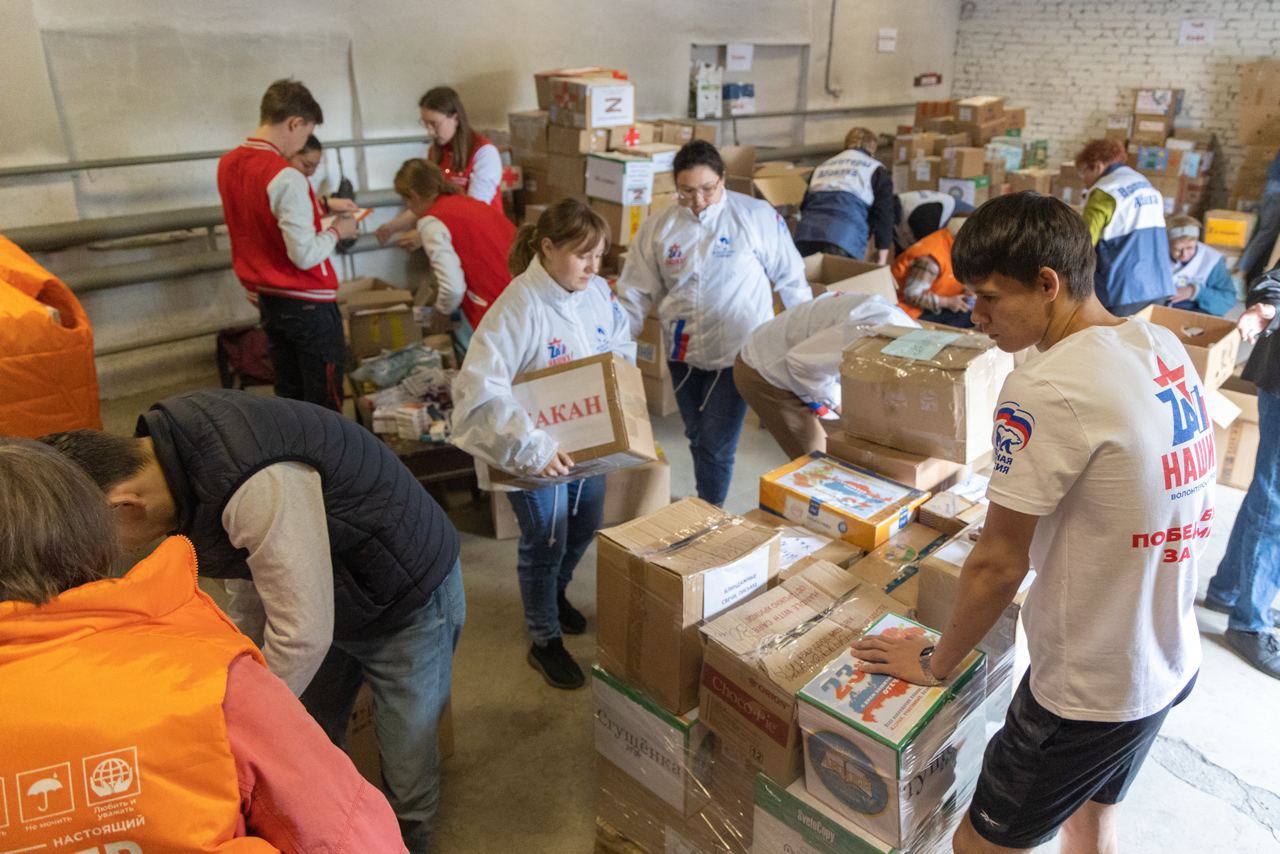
[(1103, 480)]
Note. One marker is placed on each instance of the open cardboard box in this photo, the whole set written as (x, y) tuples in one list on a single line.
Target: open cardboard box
[(848, 276), (779, 183), (1212, 342)]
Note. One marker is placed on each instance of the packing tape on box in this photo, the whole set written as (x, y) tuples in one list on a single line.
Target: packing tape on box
[(687, 536)]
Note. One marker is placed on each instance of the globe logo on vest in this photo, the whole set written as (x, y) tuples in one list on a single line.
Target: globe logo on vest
[(723, 247)]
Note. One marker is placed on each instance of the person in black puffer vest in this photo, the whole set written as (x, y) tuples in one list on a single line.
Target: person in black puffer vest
[(338, 563)]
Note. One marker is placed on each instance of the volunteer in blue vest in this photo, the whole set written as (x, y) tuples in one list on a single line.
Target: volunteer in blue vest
[(1125, 216), (556, 310), (850, 198), (789, 369), (711, 266), (1200, 276)]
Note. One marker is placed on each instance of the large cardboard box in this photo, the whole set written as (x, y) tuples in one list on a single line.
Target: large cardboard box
[(1258, 105), (1229, 229), (576, 141), (782, 185), (839, 500), (591, 102), (1158, 102), (639, 133), (545, 89), (651, 354), (891, 567), (567, 172), (1039, 180), (620, 178), (980, 133), (1212, 342), (681, 131), (931, 392), (791, 820), (1150, 130), (658, 577), (963, 162), (377, 316), (528, 131), (662, 154), (848, 276), (908, 147), (925, 173), (798, 543), (594, 408), (971, 191), (623, 220), (938, 124), (914, 470), (660, 396), (885, 753), (979, 109), (1237, 443), (931, 109), (1119, 127), (760, 653), (1014, 117)]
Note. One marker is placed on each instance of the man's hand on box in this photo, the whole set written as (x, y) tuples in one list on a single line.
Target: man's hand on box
[(895, 652), (560, 466)]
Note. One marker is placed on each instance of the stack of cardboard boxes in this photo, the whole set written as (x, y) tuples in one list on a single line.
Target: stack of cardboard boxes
[(959, 147)]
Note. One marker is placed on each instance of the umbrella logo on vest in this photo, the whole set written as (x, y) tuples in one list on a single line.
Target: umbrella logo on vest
[(723, 247), (45, 792), (112, 776)]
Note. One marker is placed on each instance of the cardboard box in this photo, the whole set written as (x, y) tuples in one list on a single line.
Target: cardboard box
[(995, 172), (594, 408), (639, 133), (1212, 342), (681, 131), (377, 316), (651, 353), (1151, 130), (576, 141), (538, 189), (623, 220), (750, 679), (839, 500), (662, 155), (1237, 443), (912, 146), (792, 820), (971, 191), (660, 396), (938, 124), (966, 162), (1038, 180), (891, 566), (628, 493), (658, 577), (797, 544), (1170, 188), (930, 392), (620, 178), (567, 172), (1158, 102), (848, 276), (1258, 105), (925, 172), (958, 139), (782, 185), (913, 470), (1229, 229), (591, 102), (933, 109), (626, 718), (528, 131), (979, 109), (545, 89), (885, 753), (952, 513), (980, 133), (1119, 127), (1015, 117)]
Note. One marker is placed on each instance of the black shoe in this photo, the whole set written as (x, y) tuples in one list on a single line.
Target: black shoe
[(1261, 649), (1223, 608), (556, 665), (571, 620)]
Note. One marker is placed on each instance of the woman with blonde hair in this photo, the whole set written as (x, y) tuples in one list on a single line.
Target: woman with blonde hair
[(1200, 276), (850, 197), (466, 241), (556, 310)]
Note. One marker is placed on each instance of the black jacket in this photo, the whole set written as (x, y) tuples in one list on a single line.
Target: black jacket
[(1263, 367), (391, 545)]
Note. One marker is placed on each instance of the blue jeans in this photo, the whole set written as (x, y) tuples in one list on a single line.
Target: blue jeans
[(1253, 261), (1249, 576), (712, 411), (410, 672), (557, 524)]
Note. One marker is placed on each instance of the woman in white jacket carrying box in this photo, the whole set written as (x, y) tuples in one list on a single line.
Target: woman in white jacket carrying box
[(556, 310)]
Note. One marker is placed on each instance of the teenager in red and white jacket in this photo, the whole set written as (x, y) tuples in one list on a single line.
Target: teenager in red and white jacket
[(468, 160), (279, 250)]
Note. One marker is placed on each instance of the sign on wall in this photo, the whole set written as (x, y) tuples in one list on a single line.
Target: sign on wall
[(1196, 31)]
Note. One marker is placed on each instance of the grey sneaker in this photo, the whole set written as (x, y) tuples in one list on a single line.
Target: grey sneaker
[(1223, 608), (1261, 649)]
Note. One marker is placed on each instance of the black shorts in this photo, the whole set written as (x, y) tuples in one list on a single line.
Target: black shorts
[(1040, 768)]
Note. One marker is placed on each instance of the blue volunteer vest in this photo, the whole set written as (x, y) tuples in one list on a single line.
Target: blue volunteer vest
[(835, 208), (1133, 251)]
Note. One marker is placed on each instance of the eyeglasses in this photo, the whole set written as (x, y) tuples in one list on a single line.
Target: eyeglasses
[(706, 191)]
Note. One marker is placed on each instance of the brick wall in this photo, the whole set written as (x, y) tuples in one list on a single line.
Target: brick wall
[(1073, 62)]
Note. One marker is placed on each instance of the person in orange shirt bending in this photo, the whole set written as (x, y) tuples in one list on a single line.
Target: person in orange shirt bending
[(927, 290)]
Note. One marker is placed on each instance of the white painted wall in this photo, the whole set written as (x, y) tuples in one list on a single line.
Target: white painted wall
[(1073, 63), (131, 77)]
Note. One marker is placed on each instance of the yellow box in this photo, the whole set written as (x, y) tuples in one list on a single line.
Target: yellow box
[(839, 500), (1231, 229)]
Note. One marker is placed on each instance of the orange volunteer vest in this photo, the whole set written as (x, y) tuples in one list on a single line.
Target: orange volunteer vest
[(113, 738), (938, 247)]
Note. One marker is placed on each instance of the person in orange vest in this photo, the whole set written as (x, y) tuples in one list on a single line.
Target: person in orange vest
[(466, 240), (467, 158), (137, 718), (927, 289)]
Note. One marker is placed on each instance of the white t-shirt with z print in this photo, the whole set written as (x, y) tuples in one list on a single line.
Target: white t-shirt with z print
[(1106, 437)]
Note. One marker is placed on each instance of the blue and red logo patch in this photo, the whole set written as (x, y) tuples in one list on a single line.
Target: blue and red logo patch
[(1013, 428), (675, 255), (556, 350)]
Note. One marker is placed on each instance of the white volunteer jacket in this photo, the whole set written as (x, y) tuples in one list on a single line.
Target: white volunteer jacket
[(534, 324), (800, 350), (710, 276)]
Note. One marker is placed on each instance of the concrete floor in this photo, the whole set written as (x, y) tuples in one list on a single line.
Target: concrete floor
[(521, 778)]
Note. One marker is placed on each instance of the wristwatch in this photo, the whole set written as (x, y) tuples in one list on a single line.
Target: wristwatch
[(926, 666)]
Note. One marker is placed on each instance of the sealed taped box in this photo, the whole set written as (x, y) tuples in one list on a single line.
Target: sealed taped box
[(594, 408), (839, 500), (623, 220), (979, 109), (542, 80), (1212, 342), (591, 102), (563, 140), (799, 543), (892, 566), (682, 131), (928, 391), (848, 276), (761, 652), (528, 131), (620, 178), (789, 819), (1230, 229), (640, 133), (658, 577), (914, 470), (887, 754)]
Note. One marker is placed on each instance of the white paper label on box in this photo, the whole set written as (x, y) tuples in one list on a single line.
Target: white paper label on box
[(734, 582), (572, 407), (821, 519), (921, 344), (642, 744), (798, 543), (646, 351), (924, 170), (612, 106)]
